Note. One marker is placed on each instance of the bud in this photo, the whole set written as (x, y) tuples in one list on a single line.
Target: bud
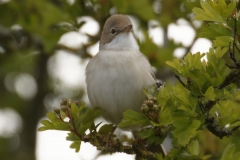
[(155, 108), (145, 102), (146, 109), (64, 101), (69, 102), (63, 108), (150, 103), (143, 107), (76, 102), (154, 99), (56, 110)]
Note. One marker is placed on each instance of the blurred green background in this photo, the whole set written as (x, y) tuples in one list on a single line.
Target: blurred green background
[(30, 84)]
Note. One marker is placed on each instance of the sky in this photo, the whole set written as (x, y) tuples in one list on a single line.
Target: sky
[(52, 145)]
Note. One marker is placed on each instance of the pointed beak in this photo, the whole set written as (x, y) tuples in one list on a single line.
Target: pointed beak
[(127, 29)]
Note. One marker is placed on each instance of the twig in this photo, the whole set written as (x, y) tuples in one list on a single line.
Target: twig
[(232, 53), (179, 79), (217, 130)]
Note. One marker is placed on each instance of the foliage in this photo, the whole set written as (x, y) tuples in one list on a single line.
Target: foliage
[(206, 96), (29, 35)]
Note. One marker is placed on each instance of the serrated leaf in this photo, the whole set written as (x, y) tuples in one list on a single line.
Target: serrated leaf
[(131, 117), (76, 145), (52, 116), (207, 13), (155, 139), (193, 147), (226, 112), (48, 124), (83, 127), (185, 129), (43, 128), (146, 133), (209, 94), (106, 128), (90, 114), (72, 137), (213, 30), (61, 126), (176, 65), (149, 134), (229, 153), (56, 122), (193, 61), (226, 10), (165, 117), (220, 52), (63, 114), (223, 41), (74, 109), (181, 94)]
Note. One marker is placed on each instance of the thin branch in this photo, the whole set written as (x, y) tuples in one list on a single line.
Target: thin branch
[(216, 129), (179, 79), (232, 53)]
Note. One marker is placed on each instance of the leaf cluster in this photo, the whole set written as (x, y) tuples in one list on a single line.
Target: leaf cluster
[(206, 97)]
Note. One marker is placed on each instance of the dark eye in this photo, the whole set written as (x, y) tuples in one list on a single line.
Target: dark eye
[(113, 31)]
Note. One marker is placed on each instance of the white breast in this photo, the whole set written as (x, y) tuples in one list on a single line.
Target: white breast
[(115, 81)]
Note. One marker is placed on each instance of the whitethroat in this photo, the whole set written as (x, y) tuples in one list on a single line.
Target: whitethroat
[(117, 74)]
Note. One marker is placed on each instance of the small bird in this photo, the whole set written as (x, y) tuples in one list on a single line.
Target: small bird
[(117, 74)]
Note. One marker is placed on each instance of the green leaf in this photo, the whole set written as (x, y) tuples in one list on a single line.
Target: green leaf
[(193, 147), (193, 61), (83, 127), (207, 13), (226, 113), (165, 117), (106, 128), (185, 129), (75, 110), (72, 137), (146, 133), (52, 116), (61, 126), (149, 134), (229, 153), (209, 94), (58, 124), (42, 128), (131, 117), (224, 9), (220, 52), (176, 65), (90, 114), (181, 94), (76, 145), (223, 41), (48, 124), (213, 30)]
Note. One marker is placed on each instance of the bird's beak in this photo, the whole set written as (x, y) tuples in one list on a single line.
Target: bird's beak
[(127, 29)]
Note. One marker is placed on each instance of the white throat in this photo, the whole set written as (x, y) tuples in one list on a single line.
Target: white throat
[(123, 41)]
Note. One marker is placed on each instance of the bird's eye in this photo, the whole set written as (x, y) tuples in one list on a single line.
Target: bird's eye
[(113, 31)]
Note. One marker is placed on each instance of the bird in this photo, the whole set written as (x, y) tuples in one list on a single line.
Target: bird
[(118, 73)]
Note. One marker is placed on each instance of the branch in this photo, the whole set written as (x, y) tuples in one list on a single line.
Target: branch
[(217, 130)]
